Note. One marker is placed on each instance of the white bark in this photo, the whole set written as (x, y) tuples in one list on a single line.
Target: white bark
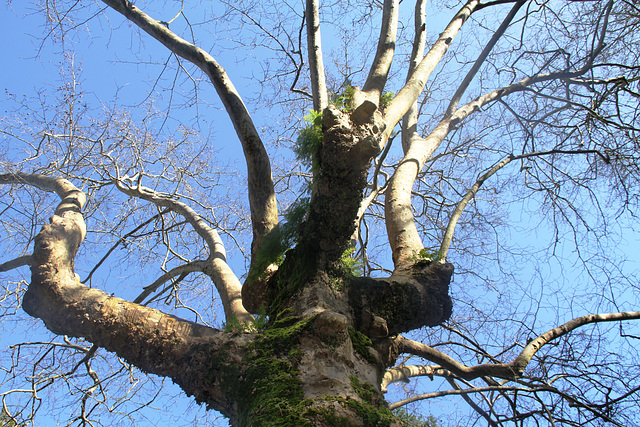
[(316, 64), (377, 78), (262, 198), (215, 266)]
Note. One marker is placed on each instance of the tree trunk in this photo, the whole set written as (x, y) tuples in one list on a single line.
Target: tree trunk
[(321, 360), (333, 335)]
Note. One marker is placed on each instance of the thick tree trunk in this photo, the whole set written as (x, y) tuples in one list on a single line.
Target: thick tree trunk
[(311, 370)]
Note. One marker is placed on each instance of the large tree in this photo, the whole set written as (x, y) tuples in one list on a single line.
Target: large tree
[(501, 146)]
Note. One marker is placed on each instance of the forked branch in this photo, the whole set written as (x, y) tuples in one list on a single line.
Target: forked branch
[(453, 104), (215, 266), (414, 86), (151, 340), (514, 369)]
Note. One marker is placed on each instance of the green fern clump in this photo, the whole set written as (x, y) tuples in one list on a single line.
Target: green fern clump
[(386, 98), (282, 238), (309, 138), (344, 100), (351, 265), (293, 217), (427, 255)]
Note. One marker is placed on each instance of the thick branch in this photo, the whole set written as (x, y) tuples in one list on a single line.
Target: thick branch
[(401, 229), (262, 199), (414, 86), (404, 372), (374, 85), (404, 302), (316, 65), (151, 340), (402, 232), (216, 266)]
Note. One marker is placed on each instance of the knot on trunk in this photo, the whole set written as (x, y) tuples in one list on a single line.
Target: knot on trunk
[(419, 297)]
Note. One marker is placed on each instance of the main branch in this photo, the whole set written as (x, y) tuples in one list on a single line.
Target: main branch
[(153, 341), (262, 198)]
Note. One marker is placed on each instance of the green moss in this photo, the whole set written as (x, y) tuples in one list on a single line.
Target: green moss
[(272, 392), (276, 390), (373, 408), (344, 99), (371, 414), (345, 269), (361, 344), (338, 284), (282, 322)]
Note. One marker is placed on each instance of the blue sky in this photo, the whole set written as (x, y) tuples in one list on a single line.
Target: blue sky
[(24, 70)]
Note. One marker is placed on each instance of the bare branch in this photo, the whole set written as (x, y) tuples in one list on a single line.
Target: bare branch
[(181, 270), (216, 266), (120, 241), (410, 120), (417, 397), (533, 346), (515, 368), (15, 263), (483, 57), (470, 402), (475, 105), (453, 220), (262, 199), (316, 64)]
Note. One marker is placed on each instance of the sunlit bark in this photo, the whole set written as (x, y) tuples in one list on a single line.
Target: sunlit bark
[(262, 198)]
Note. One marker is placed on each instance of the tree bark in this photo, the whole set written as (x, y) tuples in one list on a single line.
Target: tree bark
[(262, 197)]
